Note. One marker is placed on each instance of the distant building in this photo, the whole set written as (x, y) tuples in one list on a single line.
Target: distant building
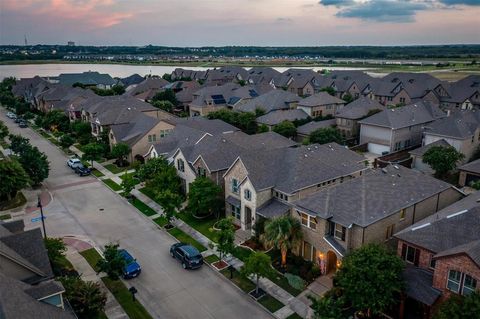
[(71, 43)]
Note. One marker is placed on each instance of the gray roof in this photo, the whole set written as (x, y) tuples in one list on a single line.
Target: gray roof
[(359, 108), (15, 226), (221, 95), (291, 169), (471, 249), (473, 167), (130, 133), (307, 129), (418, 285), (422, 150), (87, 78), (233, 201), (45, 288), (260, 75), (459, 125), (270, 101), (273, 208), (405, 116), (415, 84), (22, 86), (276, 117), (375, 195), (16, 303), (132, 79), (318, 99), (150, 85)]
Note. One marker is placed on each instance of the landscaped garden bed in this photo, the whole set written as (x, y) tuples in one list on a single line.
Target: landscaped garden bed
[(242, 253), (296, 265), (211, 259), (220, 264)]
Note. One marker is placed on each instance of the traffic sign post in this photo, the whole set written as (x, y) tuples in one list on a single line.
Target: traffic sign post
[(42, 218)]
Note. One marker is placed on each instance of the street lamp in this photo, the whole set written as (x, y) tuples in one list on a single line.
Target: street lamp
[(39, 204)]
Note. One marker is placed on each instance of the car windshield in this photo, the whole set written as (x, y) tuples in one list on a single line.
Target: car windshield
[(127, 257)]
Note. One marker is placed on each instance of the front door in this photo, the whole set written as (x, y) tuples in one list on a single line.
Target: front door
[(248, 218)]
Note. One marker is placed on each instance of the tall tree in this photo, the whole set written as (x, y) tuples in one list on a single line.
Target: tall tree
[(257, 264), (66, 140), (170, 203), (19, 144), (460, 307), (56, 253), (35, 163), (226, 236), (326, 135), (120, 151), (283, 233), (113, 263), (82, 131), (150, 169), (205, 197), (167, 106), (329, 306), (92, 152), (371, 278), (286, 128), (442, 159), (166, 95), (14, 178), (128, 184), (165, 178), (86, 297)]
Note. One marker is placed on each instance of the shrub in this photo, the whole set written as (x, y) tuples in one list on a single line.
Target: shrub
[(295, 281)]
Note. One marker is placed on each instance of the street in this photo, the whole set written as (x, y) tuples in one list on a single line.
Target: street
[(85, 208)]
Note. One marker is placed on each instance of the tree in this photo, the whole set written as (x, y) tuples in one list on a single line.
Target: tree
[(35, 163), (226, 236), (18, 144), (442, 159), (347, 98), (56, 120), (371, 278), (283, 233), (66, 140), (92, 152), (326, 135), (246, 121), (166, 95), (167, 77), (165, 179), (82, 131), (113, 263), (3, 130), (120, 151), (14, 178), (257, 264), (86, 297), (56, 250), (150, 169), (128, 184), (118, 89), (460, 307), (330, 90), (328, 306), (167, 106), (286, 128), (170, 203), (205, 197), (262, 128)]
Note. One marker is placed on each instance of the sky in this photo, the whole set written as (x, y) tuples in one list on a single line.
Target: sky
[(240, 22)]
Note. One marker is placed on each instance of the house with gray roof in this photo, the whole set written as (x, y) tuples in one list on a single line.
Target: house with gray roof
[(61, 97), (353, 83), (463, 94), (304, 131), (398, 128), (263, 184), (262, 75), (90, 78), (347, 117), (147, 89), (301, 81), (270, 101), (321, 104), (26, 87), (276, 117), (367, 209), (469, 173), (446, 246)]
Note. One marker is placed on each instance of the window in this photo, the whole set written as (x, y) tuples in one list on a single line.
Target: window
[(201, 171), (308, 220), (389, 232), (469, 285), (247, 194), (453, 283), (340, 232), (304, 219), (235, 211), (432, 262), (235, 186), (402, 100), (402, 214), (149, 139), (181, 165)]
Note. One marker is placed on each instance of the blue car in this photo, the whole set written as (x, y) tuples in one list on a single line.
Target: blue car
[(132, 269)]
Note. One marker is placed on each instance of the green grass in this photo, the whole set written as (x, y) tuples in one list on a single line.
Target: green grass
[(112, 184), (185, 238), (270, 303), (92, 257), (4, 144), (148, 192), (44, 134), (242, 253), (211, 259), (282, 281), (97, 173), (243, 283), (160, 221), (294, 316), (114, 168), (122, 177), (204, 226), (134, 309), (17, 201), (144, 208), (6, 216)]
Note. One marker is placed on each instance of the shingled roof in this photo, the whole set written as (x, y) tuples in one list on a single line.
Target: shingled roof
[(473, 167), (359, 108), (277, 117), (319, 99), (422, 150), (270, 101), (86, 78), (459, 125)]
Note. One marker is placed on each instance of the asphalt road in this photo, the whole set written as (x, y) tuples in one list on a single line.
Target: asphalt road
[(84, 207)]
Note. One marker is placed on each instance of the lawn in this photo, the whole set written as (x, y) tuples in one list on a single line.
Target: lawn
[(115, 169), (6, 216), (185, 238), (122, 177), (134, 309), (92, 257), (282, 281), (17, 201), (294, 316), (204, 226), (242, 253), (148, 192), (211, 259), (141, 206), (243, 283), (160, 221), (112, 184), (97, 173), (270, 303)]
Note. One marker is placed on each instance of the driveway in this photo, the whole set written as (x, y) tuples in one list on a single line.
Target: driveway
[(86, 208)]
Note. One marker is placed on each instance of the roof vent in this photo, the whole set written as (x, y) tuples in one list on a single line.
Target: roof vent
[(457, 213), (384, 171), (396, 166), (420, 227), (308, 148), (305, 155)]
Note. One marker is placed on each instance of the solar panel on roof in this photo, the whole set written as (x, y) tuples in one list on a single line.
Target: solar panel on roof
[(253, 93), (218, 99)]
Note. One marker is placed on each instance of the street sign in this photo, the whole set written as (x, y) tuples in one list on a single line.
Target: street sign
[(37, 219)]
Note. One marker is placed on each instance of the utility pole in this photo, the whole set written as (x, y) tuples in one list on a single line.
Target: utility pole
[(41, 216)]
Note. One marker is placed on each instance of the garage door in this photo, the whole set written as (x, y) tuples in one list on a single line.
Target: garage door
[(377, 148)]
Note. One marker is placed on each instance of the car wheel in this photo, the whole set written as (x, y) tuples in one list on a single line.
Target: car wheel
[(184, 265), (171, 254)]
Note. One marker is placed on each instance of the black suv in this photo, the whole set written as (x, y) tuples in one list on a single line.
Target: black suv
[(188, 255), (82, 170)]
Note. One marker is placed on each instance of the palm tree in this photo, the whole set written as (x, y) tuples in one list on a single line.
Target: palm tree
[(283, 233)]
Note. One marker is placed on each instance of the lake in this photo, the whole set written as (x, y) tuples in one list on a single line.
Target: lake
[(115, 70)]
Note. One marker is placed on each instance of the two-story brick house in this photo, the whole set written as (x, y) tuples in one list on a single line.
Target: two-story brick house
[(321, 104), (262, 184), (368, 209), (442, 253)]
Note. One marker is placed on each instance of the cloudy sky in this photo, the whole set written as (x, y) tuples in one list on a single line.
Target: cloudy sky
[(240, 22)]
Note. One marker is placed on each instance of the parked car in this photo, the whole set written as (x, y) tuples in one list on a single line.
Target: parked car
[(23, 124), (82, 170), (19, 119), (11, 115), (132, 268), (74, 162), (188, 255)]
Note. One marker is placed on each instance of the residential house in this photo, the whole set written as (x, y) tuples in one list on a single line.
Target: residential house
[(398, 128), (90, 78), (469, 173), (27, 88), (276, 117), (463, 94), (61, 97), (262, 75), (461, 130), (262, 184), (131, 81), (304, 131), (367, 209), (26, 278), (442, 256), (270, 101), (180, 74), (352, 83), (418, 87), (184, 91), (147, 89), (224, 75), (417, 156), (347, 117), (302, 81), (321, 104)]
